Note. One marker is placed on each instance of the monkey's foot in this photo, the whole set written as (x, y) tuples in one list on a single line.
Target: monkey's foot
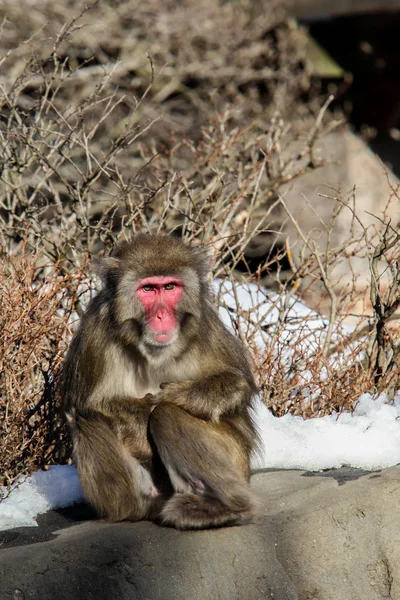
[(189, 511)]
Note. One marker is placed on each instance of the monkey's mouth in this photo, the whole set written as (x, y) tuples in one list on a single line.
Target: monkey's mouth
[(164, 337), (160, 339)]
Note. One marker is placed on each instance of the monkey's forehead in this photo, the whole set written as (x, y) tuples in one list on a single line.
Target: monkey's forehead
[(159, 255), (162, 269), (142, 242)]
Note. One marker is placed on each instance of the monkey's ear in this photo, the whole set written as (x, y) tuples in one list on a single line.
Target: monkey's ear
[(205, 260), (106, 267)]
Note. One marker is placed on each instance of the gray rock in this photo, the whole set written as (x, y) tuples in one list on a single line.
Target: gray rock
[(313, 199), (318, 536), (310, 199)]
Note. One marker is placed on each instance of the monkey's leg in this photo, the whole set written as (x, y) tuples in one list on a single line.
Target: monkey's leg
[(202, 460), (114, 483)]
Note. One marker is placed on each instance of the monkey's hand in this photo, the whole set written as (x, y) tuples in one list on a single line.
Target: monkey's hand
[(210, 397), (152, 400), (173, 393)]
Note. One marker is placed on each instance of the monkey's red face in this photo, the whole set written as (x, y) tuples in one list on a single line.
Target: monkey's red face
[(159, 297)]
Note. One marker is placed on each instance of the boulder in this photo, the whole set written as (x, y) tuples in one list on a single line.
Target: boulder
[(318, 536)]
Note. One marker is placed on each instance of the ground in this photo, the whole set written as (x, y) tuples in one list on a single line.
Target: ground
[(333, 535)]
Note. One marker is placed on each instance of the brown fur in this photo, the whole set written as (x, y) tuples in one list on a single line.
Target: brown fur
[(160, 432)]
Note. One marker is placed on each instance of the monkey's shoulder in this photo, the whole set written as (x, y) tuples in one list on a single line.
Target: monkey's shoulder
[(219, 345)]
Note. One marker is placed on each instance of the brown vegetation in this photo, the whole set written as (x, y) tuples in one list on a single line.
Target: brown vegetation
[(38, 308)]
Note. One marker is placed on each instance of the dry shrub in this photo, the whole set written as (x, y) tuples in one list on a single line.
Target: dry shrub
[(307, 364), (206, 53), (82, 145), (37, 307), (313, 380)]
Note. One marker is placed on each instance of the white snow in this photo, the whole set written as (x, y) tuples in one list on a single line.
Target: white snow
[(261, 312), (31, 496), (368, 438)]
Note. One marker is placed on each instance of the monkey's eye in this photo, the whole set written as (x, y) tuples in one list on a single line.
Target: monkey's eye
[(148, 288), (170, 286)]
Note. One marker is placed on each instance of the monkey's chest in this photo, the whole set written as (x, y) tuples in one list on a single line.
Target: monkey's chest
[(136, 379)]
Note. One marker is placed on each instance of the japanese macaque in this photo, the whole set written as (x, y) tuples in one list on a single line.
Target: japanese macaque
[(158, 393)]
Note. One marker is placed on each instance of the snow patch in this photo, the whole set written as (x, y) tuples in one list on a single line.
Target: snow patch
[(369, 438), (44, 490)]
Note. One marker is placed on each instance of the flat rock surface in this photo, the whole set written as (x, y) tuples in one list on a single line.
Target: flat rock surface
[(318, 536)]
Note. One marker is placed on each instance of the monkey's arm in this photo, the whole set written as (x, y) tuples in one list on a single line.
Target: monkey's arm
[(125, 406), (209, 398)]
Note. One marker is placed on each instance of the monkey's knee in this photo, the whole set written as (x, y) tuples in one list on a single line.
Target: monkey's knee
[(165, 413), (166, 421), (200, 459)]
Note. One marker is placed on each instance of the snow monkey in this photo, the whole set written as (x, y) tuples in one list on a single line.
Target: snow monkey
[(158, 393)]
